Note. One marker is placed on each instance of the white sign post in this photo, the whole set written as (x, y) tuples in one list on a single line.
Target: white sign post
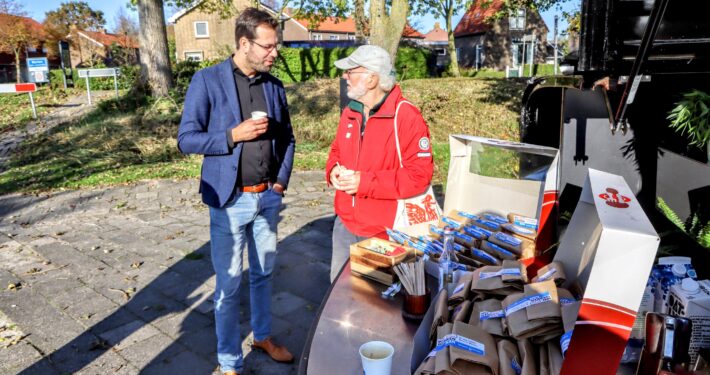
[(16, 88), (94, 73)]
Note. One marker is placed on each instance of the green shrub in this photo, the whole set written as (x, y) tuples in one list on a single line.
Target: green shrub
[(304, 64), (539, 70)]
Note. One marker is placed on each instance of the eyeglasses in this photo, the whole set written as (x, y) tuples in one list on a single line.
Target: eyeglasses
[(350, 72), (267, 48)]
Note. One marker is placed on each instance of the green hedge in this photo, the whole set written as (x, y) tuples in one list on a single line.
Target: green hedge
[(539, 70), (127, 78), (303, 64)]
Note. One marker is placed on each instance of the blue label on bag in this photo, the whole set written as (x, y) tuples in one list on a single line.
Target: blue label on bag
[(458, 289), (475, 233), (463, 237), (436, 230), (525, 222), (516, 366), (527, 302), (564, 341), (504, 271), (499, 249), (486, 232), (459, 248), (518, 230), (486, 315), (467, 215), (510, 240), (456, 341), (488, 224), (451, 222), (496, 218), (567, 301), (484, 255), (547, 274)]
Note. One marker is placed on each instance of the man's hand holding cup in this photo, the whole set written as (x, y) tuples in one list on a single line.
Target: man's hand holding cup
[(251, 129)]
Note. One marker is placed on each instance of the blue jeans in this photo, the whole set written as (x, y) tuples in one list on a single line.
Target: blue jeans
[(248, 219)]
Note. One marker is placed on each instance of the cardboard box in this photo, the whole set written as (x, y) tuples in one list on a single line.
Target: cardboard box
[(373, 265), (502, 177), (697, 308), (608, 251)]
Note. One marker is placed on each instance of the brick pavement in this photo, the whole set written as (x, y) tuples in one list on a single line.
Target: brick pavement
[(119, 280)]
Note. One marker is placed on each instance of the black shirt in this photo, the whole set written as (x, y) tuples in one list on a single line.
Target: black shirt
[(256, 164)]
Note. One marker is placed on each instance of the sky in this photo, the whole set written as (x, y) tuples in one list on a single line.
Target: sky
[(37, 8)]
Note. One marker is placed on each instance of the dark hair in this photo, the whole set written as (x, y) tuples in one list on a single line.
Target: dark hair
[(247, 22)]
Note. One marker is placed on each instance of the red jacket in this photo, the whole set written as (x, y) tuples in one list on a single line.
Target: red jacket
[(382, 181)]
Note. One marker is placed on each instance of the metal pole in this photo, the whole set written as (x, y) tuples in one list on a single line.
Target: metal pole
[(34, 110), (532, 53), (115, 82), (88, 88), (555, 41)]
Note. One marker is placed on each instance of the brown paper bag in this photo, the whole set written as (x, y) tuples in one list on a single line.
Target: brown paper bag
[(520, 232), (528, 356), (510, 362), (534, 312), (484, 257), (464, 361), (490, 280), (497, 251), (488, 315), (441, 313), (462, 312), (518, 278), (543, 361), (462, 290), (554, 356), (553, 271)]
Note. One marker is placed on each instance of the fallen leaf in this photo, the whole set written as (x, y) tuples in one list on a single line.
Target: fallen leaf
[(136, 264), (99, 344), (14, 286), (33, 270)]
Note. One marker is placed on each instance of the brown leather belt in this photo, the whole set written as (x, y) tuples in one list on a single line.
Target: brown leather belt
[(258, 188)]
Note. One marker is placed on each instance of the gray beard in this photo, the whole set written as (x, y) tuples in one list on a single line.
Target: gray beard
[(356, 93), (258, 65)]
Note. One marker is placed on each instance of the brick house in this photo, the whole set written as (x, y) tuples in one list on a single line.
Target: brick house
[(89, 47), (483, 42), (7, 60), (200, 36), (438, 40)]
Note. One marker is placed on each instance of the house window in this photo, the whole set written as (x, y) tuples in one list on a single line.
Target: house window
[(351, 37), (517, 20), (458, 55), (317, 37), (193, 56), (334, 37), (441, 51), (31, 49), (202, 30)]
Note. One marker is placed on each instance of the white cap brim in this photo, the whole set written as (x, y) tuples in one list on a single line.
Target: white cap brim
[(346, 63)]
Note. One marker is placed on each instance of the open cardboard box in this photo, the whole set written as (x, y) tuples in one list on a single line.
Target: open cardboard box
[(502, 177), (607, 251)]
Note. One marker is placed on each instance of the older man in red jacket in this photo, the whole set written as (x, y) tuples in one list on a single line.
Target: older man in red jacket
[(363, 165)]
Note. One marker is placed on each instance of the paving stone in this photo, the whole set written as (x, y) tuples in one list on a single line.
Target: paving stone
[(157, 348), (177, 324), (185, 362), (122, 337)]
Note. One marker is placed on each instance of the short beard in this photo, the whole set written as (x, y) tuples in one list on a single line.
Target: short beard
[(357, 92), (258, 65)]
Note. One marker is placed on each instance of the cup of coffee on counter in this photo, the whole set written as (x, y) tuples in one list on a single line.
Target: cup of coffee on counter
[(376, 357), (256, 115)]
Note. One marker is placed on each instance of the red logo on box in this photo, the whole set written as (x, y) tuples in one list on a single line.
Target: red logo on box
[(614, 199)]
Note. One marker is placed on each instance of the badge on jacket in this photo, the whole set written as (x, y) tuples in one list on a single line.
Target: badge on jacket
[(424, 143)]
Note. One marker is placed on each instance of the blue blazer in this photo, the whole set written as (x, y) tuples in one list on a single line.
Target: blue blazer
[(211, 108)]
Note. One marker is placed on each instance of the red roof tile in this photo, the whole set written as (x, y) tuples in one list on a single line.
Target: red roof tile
[(437, 34), (410, 32), (107, 39), (347, 25), (476, 19), (35, 27)]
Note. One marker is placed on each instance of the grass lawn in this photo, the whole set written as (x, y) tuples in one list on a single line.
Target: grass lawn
[(117, 143), (16, 110)]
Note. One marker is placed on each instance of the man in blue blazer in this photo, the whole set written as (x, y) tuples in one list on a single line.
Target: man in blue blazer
[(236, 115)]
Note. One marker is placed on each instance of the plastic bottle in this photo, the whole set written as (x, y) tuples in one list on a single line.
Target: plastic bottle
[(448, 257)]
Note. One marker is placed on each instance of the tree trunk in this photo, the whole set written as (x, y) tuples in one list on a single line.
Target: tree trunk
[(153, 39), (454, 65), (386, 30), (359, 16), (18, 73)]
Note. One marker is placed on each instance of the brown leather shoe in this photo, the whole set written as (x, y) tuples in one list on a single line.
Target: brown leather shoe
[(277, 352)]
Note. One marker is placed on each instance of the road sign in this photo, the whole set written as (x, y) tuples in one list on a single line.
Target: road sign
[(18, 88), (94, 73), (105, 72), (38, 69)]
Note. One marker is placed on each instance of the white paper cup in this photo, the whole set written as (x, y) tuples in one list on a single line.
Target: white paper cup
[(376, 357), (258, 115)]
